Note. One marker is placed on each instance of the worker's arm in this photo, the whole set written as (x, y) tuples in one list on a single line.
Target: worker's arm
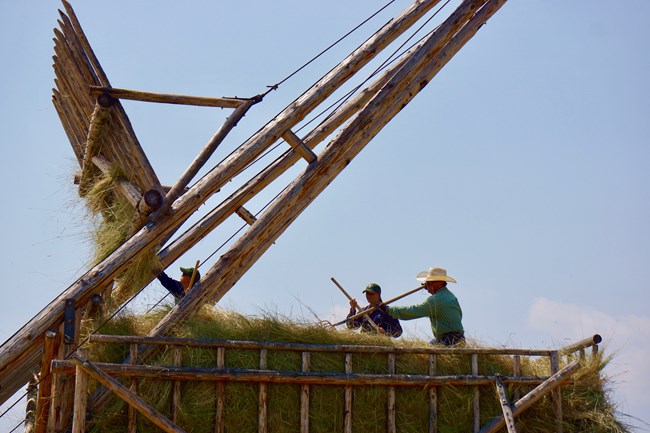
[(413, 311)]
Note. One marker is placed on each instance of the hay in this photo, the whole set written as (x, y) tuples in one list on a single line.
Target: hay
[(586, 403)]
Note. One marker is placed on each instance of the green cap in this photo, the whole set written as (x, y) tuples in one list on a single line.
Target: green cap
[(189, 272), (372, 288)]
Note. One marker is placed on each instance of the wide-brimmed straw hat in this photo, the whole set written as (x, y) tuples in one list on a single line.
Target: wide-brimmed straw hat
[(434, 274)]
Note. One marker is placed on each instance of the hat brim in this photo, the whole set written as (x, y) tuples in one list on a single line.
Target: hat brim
[(422, 276)]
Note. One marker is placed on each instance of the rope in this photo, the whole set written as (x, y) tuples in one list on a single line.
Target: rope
[(275, 86)]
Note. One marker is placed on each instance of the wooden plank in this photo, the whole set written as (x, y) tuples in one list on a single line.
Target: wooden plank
[(476, 407), (516, 371), (505, 406), (433, 396), (168, 98), (304, 396), (299, 146), (347, 415), (219, 421), (391, 415), (533, 396), (262, 426), (134, 400), (556, 394), (80, 397)]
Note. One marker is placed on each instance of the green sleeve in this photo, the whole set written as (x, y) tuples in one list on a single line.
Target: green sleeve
[(412, 312)]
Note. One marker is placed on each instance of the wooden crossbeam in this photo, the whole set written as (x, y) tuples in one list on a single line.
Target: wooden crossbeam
[(246, 215), (166, 98), (299, 146), (125, 394)]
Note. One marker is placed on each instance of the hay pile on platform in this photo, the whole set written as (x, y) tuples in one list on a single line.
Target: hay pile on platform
[(586, 404)]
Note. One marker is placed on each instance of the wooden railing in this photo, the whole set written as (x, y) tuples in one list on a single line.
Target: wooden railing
[(105, 374)]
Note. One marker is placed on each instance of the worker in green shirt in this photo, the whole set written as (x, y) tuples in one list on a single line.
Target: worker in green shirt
[(442, 308)]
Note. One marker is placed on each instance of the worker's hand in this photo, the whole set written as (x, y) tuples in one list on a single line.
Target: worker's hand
[(353, 304), (381, 330)]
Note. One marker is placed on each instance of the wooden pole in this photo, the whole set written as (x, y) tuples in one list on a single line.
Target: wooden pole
[(366, 316), (45, 385), (205, 154), (592, 341), (347, 413), (304, 396), (166, 98), (263, 397), (141, 406), (533, 396), (505, 406), (80, 397), (219, 390), (390, 406), (516, 371), (433, 396)]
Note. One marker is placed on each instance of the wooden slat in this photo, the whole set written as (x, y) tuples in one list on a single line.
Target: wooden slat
[(433, 396), (176, 387), (347, 414), (166, 98), (516, 371), (304, 396), (45, 385), (219, 420), (390, 407), (141, 406), (244, 214), (262, 426), (132, 413)]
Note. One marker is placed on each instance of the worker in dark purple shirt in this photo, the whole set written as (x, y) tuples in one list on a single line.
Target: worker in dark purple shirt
[(179, 288), (386, 324)]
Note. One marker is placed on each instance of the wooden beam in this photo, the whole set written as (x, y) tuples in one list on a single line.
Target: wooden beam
[(347, 415), (304, 396), (263, 406), (166, 98), (556, 394), (477, 395), (132, 399), (391, 415), (205, 154), (433, 396), (533, 396), (219, 419), (126, 188), (133, 414), (505, 406), (98, 121), (297, 144), (592, 341)]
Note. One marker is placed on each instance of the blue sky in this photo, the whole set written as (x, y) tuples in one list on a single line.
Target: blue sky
[(522, 167)]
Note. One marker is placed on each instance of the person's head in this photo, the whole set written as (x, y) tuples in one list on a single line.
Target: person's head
[(186, 277), (373, 293), (434, 279)]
